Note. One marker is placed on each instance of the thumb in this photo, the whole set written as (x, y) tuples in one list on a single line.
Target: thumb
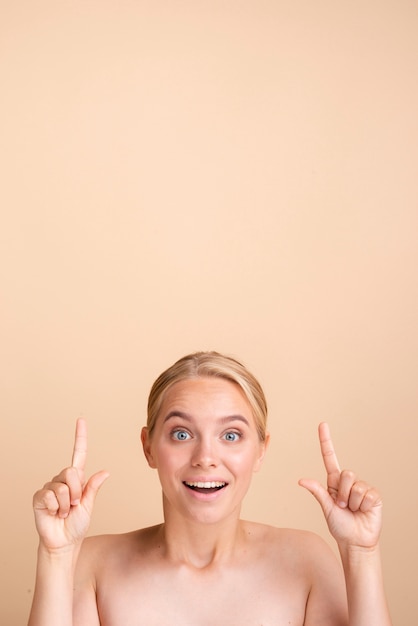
[(319, 493), (92, 487)]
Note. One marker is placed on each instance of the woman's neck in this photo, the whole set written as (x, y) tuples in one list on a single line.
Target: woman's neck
[(201, 545)]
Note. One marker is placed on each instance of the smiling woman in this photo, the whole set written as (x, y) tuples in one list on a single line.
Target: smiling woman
[(206, 436)]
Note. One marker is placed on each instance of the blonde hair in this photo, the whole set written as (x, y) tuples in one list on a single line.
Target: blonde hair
[(201, 364)]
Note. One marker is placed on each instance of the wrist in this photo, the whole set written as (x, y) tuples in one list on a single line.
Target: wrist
[(357, 555), (57, 554)]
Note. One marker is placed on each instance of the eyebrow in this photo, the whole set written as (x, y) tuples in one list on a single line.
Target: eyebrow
[(222, 420)]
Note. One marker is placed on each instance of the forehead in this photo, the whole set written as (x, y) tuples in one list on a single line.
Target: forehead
[(206, 394)]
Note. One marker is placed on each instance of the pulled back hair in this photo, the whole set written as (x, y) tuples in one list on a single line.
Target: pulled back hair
[(207, 364)]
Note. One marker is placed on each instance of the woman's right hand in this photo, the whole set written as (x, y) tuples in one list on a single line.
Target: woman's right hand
[(63, 507)]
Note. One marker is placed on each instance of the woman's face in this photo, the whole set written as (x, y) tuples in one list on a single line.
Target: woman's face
[(205, 447)]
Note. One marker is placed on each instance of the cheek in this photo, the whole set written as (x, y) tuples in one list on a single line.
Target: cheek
[(246, 461), (168, 458)]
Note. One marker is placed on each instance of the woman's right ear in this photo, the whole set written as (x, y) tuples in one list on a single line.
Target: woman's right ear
[(146, 446)]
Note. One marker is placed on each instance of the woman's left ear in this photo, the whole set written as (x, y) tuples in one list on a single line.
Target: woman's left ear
[(146, 446), (263, 449)]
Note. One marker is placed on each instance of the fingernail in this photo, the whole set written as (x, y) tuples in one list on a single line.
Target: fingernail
[(75, 502), (343, 505)]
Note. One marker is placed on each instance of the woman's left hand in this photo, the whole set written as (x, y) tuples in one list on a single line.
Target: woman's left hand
[(352, 509)]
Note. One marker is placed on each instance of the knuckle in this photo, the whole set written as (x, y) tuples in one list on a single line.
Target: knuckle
[(57, 489), (61, 490), (359, 488), (62, 477), (348, 475), (38, 497), (45, 499), (372, 496), (50, 500)]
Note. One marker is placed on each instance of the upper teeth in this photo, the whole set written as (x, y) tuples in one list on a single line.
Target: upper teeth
[(207, 485)]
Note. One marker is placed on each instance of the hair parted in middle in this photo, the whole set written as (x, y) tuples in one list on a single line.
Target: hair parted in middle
[(207, 364)]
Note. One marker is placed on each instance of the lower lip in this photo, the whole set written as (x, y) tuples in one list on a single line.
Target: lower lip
[(205, 497)]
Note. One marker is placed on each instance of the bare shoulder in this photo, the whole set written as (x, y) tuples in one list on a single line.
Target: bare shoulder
[(308, 562), (118, 548), (300, 555), (288, 543)]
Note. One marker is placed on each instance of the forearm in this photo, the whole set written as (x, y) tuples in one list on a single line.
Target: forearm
[(53, 597), (365, 590)]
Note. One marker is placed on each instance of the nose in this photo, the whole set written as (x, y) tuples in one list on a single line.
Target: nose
[(205, 454)]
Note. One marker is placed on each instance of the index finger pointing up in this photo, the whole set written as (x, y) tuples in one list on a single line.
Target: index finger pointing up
[(327, 450), (80, 445)]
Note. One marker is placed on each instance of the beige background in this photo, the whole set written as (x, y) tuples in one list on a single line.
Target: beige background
[(239, 176)]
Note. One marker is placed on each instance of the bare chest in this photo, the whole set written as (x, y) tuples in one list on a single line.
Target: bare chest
[(172, 598)]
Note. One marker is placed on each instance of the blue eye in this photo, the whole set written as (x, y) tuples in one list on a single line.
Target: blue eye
[(180, 435), (232, 436)]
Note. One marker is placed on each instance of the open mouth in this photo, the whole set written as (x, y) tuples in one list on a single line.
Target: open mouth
[(207, 487)]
